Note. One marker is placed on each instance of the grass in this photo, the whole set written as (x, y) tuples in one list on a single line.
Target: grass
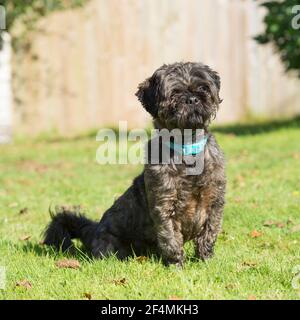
[(263, 184)]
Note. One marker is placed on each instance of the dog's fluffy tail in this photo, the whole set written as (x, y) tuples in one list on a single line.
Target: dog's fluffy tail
[(66, 225)]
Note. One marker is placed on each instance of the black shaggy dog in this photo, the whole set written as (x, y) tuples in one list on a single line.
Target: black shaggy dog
[(164, 207)]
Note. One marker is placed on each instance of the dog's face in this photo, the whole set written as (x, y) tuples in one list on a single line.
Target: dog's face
[(181, 95)]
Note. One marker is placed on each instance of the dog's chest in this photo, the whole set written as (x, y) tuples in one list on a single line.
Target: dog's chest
[(190, 205)]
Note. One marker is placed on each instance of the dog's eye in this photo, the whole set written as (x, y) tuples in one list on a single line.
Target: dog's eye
[(203, 88), (176, 91)]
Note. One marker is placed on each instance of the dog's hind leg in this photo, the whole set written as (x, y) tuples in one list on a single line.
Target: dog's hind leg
[(106, 244)]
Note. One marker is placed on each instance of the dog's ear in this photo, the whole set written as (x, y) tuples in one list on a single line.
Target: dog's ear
[(214, 76), (147, 95), (149, 90), (216, 79)]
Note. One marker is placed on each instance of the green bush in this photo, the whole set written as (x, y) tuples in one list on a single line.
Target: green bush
[(29, 11), (280, 32)]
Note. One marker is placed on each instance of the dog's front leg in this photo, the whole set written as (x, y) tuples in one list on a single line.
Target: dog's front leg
[(169, 237), (213, 210), (161, 196)]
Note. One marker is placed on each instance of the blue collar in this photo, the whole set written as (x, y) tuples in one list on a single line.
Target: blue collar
[(189, 149)]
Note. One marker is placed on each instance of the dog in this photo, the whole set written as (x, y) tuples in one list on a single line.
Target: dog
[(164, 207)]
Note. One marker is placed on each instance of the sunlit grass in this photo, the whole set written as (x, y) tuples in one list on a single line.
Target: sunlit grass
[(263, 170)]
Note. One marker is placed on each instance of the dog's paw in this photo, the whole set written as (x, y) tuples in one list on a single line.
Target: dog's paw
[(176, 263), (205, 255)]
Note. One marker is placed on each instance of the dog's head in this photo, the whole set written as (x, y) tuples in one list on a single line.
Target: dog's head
[(181, 95)]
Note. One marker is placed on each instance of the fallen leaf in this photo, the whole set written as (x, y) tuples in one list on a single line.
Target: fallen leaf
[(173, 297), (24, 284), (251, 297), (141, 259), (23, 211), (250, 264), (280, 225), (271, 223), (24, 238), (120, 282), (87, 295), (230, 286), (13, 205), (256, 234), (295, 228), (68, 263)]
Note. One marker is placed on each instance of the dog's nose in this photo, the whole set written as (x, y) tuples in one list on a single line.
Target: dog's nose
[(192, 100)]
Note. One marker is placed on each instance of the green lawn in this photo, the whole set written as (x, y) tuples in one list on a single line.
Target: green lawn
[(252, 260)]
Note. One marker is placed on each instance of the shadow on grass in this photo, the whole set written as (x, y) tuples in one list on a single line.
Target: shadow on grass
[(79, 253), (43, 250), (37, 249), (247, 128), (83, 256), (258, 127)]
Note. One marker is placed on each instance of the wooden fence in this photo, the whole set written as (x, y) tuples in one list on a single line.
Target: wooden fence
[(5, 91), (83, 66)]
